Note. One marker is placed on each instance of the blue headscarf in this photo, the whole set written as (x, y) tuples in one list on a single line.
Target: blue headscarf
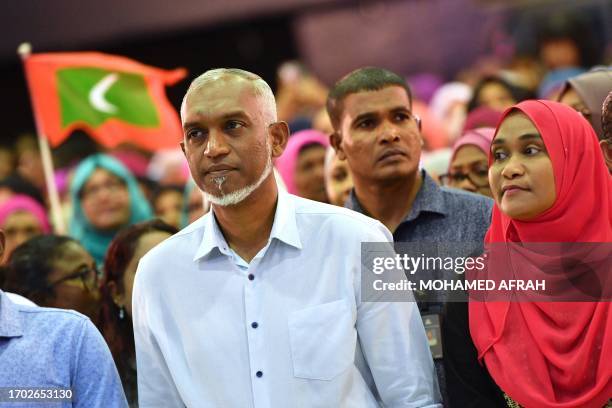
[(96, 241)]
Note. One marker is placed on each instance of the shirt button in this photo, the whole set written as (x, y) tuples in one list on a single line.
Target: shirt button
[(251, 276), (259, 374), (254, 325)]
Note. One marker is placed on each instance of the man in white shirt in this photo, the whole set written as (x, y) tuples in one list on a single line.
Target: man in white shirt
[(258, 303)]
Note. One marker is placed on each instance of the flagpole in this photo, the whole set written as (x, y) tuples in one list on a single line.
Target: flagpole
[(24, 50)]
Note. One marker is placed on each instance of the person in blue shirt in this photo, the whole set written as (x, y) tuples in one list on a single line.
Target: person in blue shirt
[(53, 351), (379, 136)]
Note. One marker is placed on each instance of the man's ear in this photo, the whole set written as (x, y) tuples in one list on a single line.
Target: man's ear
[(183, 148), (606, 149), (336, 141), (279, 132)]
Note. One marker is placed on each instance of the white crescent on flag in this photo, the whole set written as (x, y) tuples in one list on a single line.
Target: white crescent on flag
[(96, 95)]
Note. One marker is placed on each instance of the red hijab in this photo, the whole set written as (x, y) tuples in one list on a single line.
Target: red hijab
[(553, 354)]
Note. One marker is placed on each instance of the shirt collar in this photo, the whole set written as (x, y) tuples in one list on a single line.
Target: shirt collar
[(285, 221), (284, 228), (430, 198), (212, 237), (10, 321)]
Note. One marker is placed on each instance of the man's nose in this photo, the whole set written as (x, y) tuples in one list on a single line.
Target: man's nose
[(216, 145), (389, 133)]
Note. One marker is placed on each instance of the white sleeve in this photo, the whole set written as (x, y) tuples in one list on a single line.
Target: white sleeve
[(156, 388), (395, 347)]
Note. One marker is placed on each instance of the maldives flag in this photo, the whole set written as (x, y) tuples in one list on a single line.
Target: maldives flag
[(114, 99)]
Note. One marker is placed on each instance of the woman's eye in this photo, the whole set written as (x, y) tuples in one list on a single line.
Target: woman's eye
[(499, 155), (530, 151), (339, 176)]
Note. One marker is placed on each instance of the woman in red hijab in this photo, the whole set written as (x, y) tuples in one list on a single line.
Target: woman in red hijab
[(550, 184)]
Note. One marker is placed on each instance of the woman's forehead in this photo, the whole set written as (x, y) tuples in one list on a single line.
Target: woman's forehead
[(102, 174), (514, 125)]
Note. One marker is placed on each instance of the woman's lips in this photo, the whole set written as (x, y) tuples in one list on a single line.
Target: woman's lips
[(512, 190)]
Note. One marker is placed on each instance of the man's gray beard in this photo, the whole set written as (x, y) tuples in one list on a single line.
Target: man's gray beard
[(236, 197)]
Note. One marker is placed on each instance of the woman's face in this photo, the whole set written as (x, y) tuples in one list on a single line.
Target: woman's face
[(19, 227), (308, 178), (574, 101), (106, 201), (469, 171), (521, 175), (168, 207), (146, 242), (560, 53), (74, 281), (495, 96), (338, 181)]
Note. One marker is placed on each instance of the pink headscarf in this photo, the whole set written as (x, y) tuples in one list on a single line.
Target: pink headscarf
[(483, 116), (481, 138), (135, 162), (433, 132), (287, 162), (25, 203)]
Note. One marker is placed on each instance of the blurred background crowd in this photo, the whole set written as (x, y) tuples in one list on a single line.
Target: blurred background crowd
[(466, 61)]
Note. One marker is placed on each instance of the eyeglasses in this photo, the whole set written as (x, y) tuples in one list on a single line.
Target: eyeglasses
[(112, 186), (87, 275), (478, 178)]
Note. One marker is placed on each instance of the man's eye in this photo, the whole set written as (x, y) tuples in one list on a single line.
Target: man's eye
[(233, 125), (401, 117), (365, 124), (195, 134)]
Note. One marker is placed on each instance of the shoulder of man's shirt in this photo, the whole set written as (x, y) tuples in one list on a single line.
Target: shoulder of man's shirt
[(465, 200), (357, 226), (44, 316), (170, 244), (346, 219)]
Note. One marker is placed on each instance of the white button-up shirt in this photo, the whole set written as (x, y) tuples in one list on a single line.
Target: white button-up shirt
[(286, 330)]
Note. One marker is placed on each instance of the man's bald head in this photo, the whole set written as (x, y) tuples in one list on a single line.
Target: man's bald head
[(258, 86)]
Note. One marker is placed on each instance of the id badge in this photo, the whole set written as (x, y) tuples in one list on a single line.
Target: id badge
[(431, 322)]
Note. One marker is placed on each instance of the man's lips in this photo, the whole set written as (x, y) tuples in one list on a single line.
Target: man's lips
[(219, 170), (390, 153)]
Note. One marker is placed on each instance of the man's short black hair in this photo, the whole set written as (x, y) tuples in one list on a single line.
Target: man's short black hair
[(360, 80)]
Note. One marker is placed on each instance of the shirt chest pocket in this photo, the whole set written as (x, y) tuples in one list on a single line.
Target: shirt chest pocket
[(323, 340)]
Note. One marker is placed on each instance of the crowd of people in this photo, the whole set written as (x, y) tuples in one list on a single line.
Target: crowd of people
[(226, 273)]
